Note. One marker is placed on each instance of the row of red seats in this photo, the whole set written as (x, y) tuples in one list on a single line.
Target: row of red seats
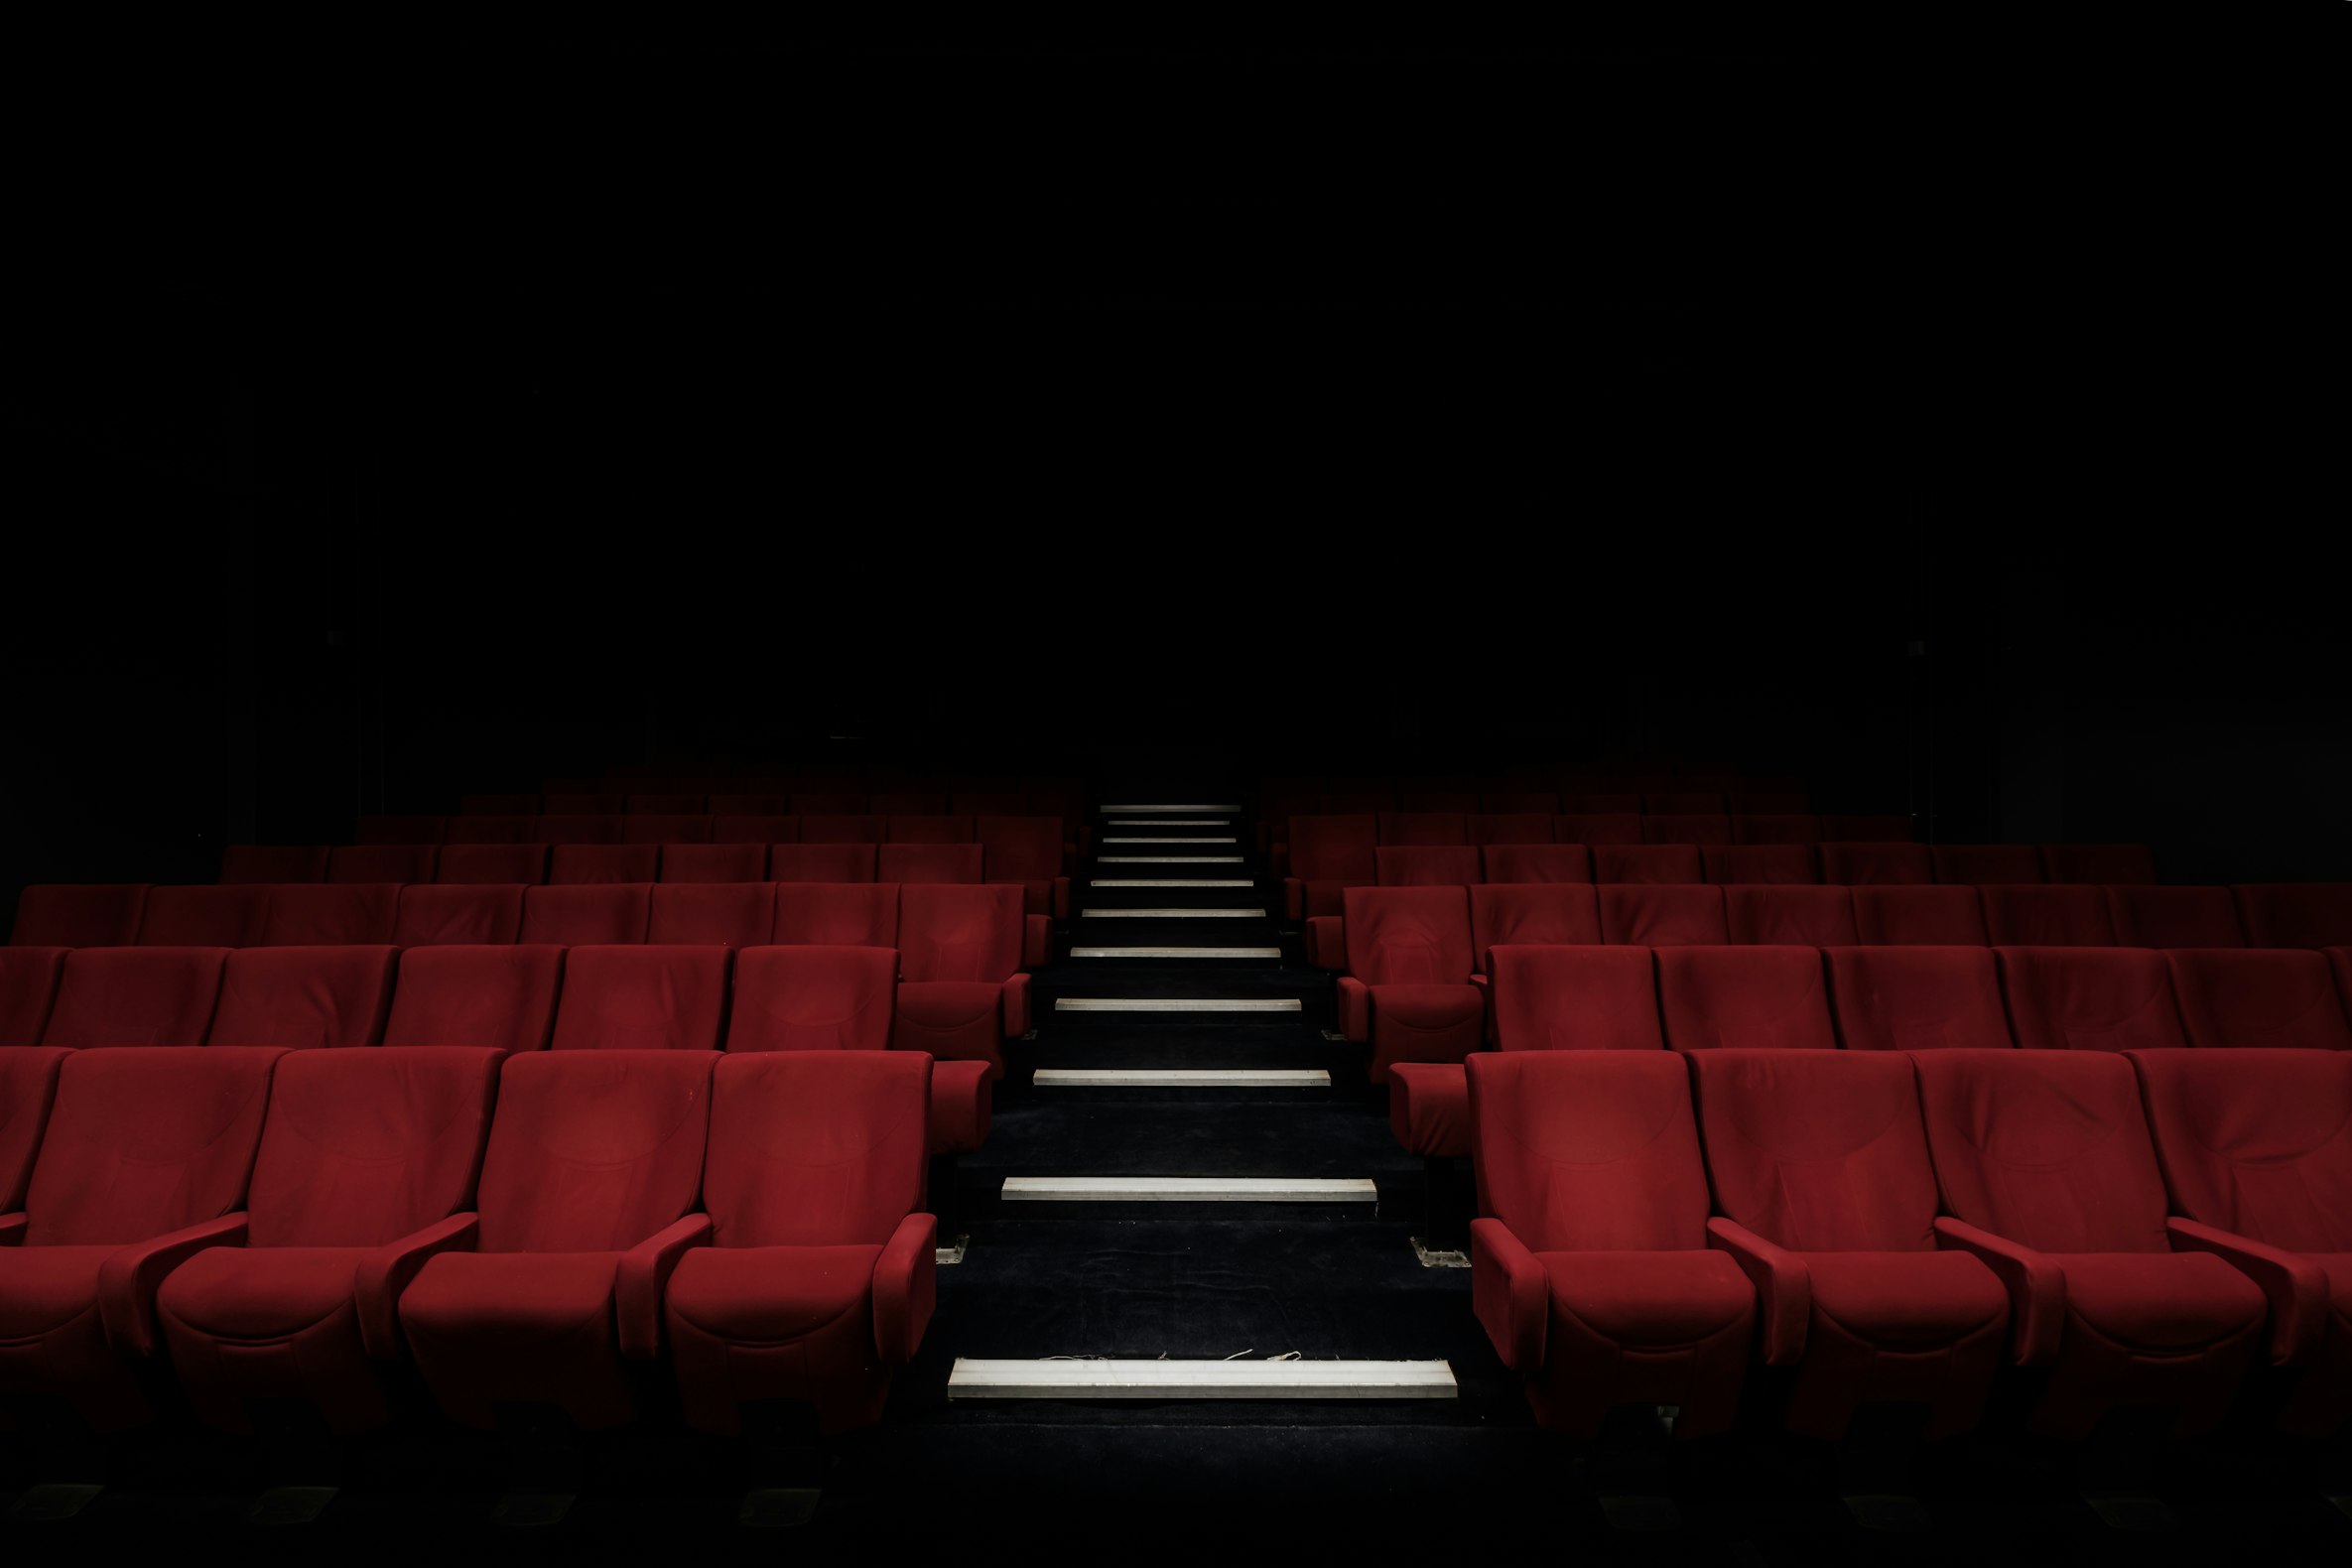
[(2130, 1230), (1042, 840), (751, 799), (1853, 864), (1331, 834), (1279, 799), (530, 996), (1460, 922), (987, 918), (278, 1225)]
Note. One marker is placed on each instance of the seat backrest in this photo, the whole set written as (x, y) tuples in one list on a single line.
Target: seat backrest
[(1985, 864), (815, 1148), (144, 1141), (465, 915), (636, 997), (490, 865), (813, 999), (2098, 863), (1335, 849), (2089, 998), (754, 828), (28, 1084), (364, 1147), (1597, 827), (665, 828), (821, 862), (593, 1151), (2271, 997), (1575, 998), (589, 915), (949, 933), (928, 863), (835, 914), (1508, 828), (842, 828), (2172, 917), (381, 863), (1781, 828), (1426, 865), (2036, 916), (1536, 863), (1784, 864), (2049, 1148), (1409, 936), (2295, 914), (1686, 828), (1918, 998), (502, 998), (122, 997), (1899, 916), (274, 862), (78, 915), (582, 864), (1649, 863), (1423, 827), (204, 917), (326, 914), (1662, 916), (28, 987), (714, 862), (1815, 917), (2258, 1143), (582, 828), (926, 827), (1510, 912), (1817, 1151), (512, 829), (1743, 998), (730, 914), (299, 999), (1579, 1151), (1875, 864), (1021, 849)]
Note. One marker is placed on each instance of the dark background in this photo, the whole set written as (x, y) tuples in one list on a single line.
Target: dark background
[(1950, 430)]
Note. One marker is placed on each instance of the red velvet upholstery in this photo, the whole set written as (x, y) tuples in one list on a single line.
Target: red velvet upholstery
[(1776, 827), (842, 828), (2043, 1157), (961, 990), (813, 999), (1422, 828), (1635, 915), (582, 827), (490, 865), (1538, 863), (1753, 864), (381, 863), (399, 830), (836, 914), (581, 864), (926, 827), (1743, 998), (1875, 864), (594, 1159), (2089, 998), (1426, 865), (204, 917), (1575, 998), (1516, 913), (1819, 1165), (1510, 827), (327, 914), (1589, 1269), (1594, 828), (78, 915), (2098, 863), (469, 916), (1650, 863), (295, 998), (2295, 914), (730, 914), (2174, 917), (503, 997), (274, 862), (642, 998), (754, 828), (28, 1083), (820, 1274), (361, 1151), (144, 1159), (1941, 917), (1679, 828), (2282, 998), (490, 830), (664, 828), (928, 862), (1407, 989), (1984, 864), (586, 916), (1329, 853), (1818, 917), (821, 862), (1921, 998), (714, 862), (1028, 850), (2051, 917), (111, 997), (28, 986)]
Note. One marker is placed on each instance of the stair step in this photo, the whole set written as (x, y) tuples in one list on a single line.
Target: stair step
[(1172, 914), (1073, 1377), (1108, 810), (1168, 859), (1182, 1077), (1176, 953), (1172, 881), (1204, 839), (1168, 821), (1176, 1005), (1191, 1188)]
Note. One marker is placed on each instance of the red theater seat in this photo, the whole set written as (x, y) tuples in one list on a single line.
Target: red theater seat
[(585, 828), (1536, 863), (755, 830), (1426, 865), (1875, 864), (2046, 917), (1985, 864), (1575, 998), (665, 829), (492, 830), (118, 997), (586, 916), (2257, 1153), (2098, 863), (820, 1276), (1028, 850), (463, 916), (1916, 999), (1650, 863), (1510, 827), (591, 1168), (1919, 917), (2263, 998), (1743, 998), (842, 828), (730, 914), (2174, 917), (821, 862), (2295, 914), (927, 829), (490, 865), (1816, 917), (500, 997), (28, 986), (1819, 1164), (400, 829), (835, 914), (204, 917), (1423, 827), (714, 862), (298, 999), (928, 862), (1329, 854), (381, 863), (326, 914), (642, 998), (1777, 828), (581, 864), (2089, 998), (79, 915), (142, 1166), (1590, 1270), (1786, 864), (813, 999), (1408, 989), (274, 862), (28, 1086), (1513, 913), (365, 1158), (1663, 916), (962, 993), (1597, 827), (1692, 828), (2048, 1176)]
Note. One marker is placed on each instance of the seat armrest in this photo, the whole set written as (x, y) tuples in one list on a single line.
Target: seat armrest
[(12, 1230), (2036, 1287), (1037, 941), (389, 1269), (1327, 942), (961, 1096), (643, 1275), (129, 1279), (1016, 1006), (1355, 998), (2295, 1287), (1783, 1287), (1510, 1295), (906, 1288)]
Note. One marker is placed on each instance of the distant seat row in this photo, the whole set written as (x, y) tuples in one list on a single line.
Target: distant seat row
[(1278, 799), (1066, 803), (1027, 835), (296, 1225), (1326, 839)]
